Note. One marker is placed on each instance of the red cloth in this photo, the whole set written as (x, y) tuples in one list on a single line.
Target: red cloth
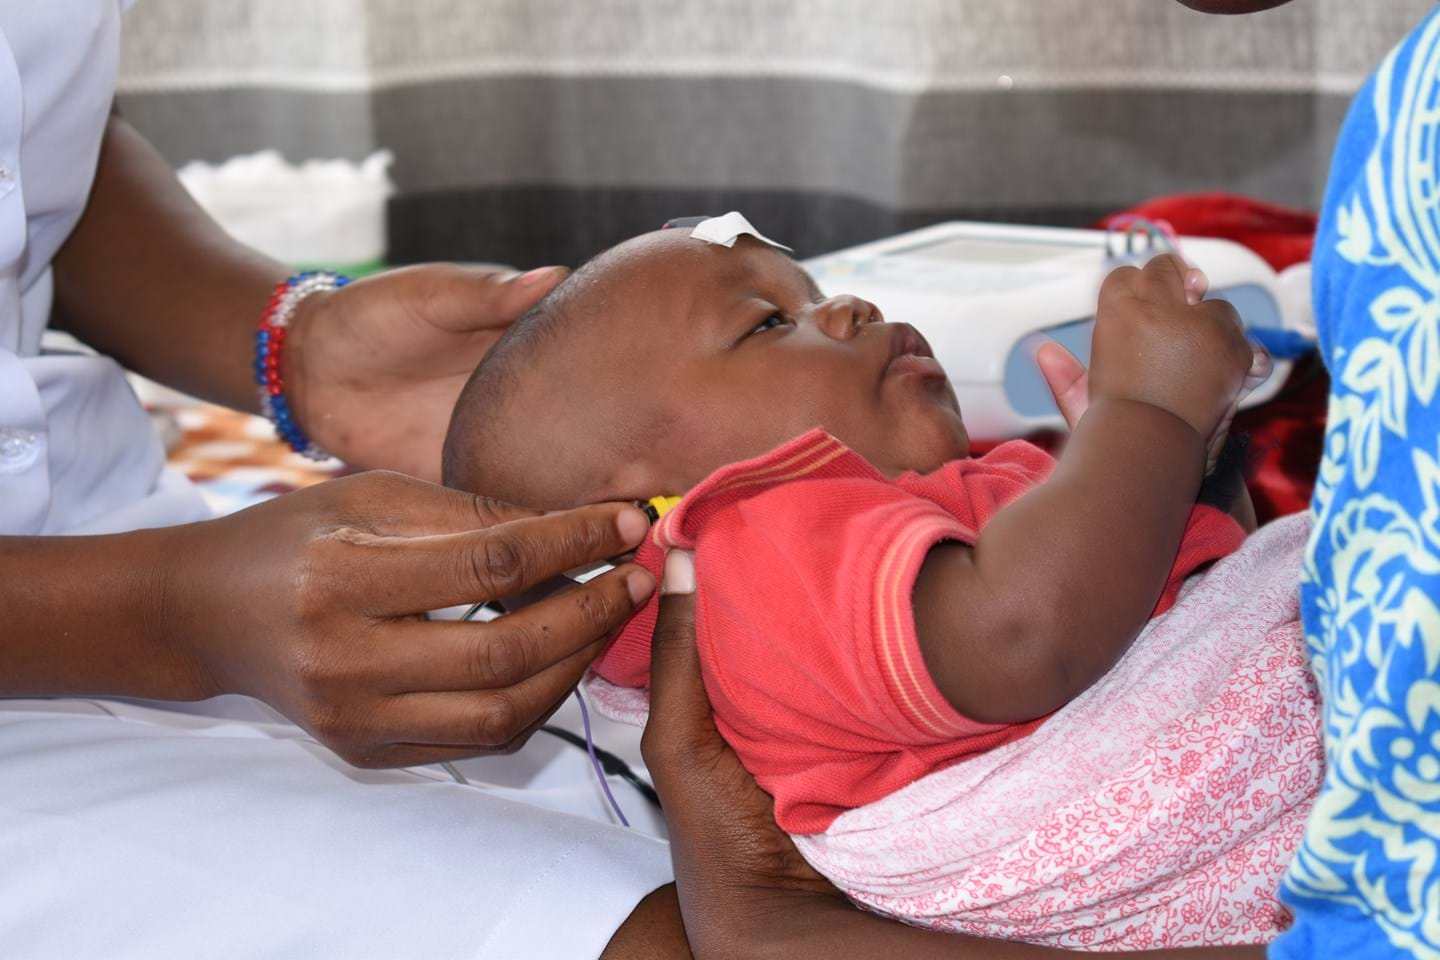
[(806, 559), (1281, 236)]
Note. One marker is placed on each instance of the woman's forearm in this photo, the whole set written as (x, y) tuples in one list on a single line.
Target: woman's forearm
[(149, 278), (783, 925), (87, 616), (834, 930)]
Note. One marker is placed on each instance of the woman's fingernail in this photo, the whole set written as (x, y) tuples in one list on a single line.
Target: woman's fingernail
[(679, 573), (530, 277), (633, 525), (640, 584)]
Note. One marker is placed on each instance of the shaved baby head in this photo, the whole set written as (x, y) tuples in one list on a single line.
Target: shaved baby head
[(523, 414), (666, 358)]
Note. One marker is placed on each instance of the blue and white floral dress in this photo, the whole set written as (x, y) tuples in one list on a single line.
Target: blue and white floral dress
[(1366, 881)]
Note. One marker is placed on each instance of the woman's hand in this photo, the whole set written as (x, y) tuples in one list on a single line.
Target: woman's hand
[(373, 369), (732, 863), (312, 602)]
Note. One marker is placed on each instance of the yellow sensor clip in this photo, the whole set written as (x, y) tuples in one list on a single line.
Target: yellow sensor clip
[(657, 507)]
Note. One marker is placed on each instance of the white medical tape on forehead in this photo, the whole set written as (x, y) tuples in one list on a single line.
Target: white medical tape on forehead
[(725, 230)]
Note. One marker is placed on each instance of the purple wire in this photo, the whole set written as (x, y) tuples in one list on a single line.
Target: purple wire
[(595, 761), (589, 739)]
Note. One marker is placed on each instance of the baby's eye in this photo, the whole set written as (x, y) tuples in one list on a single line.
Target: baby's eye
[(770, 323)]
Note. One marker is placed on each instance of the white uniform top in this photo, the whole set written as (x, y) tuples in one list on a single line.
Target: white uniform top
[(77, 454), (141, 831)]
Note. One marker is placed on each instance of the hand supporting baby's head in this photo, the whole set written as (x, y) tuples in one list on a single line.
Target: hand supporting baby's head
[(666, 358)]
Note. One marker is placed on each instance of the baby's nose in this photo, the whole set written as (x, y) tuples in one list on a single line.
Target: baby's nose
[(842, 317)]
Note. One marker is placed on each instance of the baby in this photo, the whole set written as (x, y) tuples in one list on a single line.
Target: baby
[(875, 608)]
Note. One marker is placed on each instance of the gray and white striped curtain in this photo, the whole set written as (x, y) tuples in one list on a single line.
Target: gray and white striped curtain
[(537, 131)]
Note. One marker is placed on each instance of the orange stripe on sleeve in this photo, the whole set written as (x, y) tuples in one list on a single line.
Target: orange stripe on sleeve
[(893, 613)]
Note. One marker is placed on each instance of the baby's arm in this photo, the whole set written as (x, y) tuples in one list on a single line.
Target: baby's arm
[(1062, 580), (1224, 487)]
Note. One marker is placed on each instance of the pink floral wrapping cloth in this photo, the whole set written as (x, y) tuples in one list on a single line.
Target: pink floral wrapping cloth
[(1159, 808)]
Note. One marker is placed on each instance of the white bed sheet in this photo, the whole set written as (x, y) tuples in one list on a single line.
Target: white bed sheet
[(216, 830)]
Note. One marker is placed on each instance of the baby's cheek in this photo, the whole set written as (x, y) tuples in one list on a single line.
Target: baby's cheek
[(818, 399), (709, 439)]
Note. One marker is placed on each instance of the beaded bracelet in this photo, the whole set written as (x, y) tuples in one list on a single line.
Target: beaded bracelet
[(270, 343)]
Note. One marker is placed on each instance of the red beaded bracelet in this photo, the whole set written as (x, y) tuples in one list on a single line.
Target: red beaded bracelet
[(269, 347)]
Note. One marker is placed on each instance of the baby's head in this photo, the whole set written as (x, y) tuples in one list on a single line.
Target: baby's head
[(666, 357)]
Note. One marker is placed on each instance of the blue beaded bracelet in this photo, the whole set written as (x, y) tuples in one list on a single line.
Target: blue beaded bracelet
[(270, 345)]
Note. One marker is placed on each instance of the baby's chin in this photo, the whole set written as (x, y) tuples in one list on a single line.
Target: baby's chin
[(936, 433), (924, 447)]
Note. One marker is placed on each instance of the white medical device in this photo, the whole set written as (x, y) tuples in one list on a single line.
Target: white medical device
[(986, 295)]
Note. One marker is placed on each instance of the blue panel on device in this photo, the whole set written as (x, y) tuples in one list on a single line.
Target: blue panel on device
[(1025, 388)]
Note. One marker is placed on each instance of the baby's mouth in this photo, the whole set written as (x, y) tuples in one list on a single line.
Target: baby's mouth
[(910, 353)]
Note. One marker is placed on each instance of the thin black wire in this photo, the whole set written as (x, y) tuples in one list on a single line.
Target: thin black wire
[(611, 764)]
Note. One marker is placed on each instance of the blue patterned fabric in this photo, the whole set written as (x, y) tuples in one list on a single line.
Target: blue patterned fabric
[(1366, 880)]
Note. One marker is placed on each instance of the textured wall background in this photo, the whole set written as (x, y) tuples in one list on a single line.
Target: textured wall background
[(544, 130)]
